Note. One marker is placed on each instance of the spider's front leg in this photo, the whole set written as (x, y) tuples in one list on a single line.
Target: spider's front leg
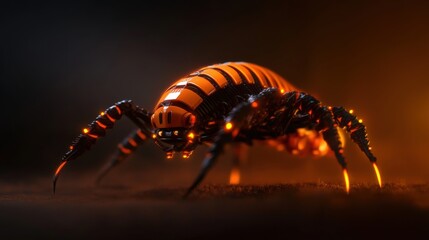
[(241, 117), (100, 125)]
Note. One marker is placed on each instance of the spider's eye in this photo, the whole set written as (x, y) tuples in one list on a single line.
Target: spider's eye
[(160, 133), (176, 133)]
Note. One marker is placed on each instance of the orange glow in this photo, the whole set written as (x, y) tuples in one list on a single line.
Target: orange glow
[(71, 147), (360, 121), (132, 142), (346, 179), (191, 135), (141, 135), (186, 154), (92, 135), (282, 90), (234, 177), (110, 118), (85, 130), (154, 136), (169, 155), (351, 111), (193, 119), (377, 172), (124, 149), (59, 168), (118, 110), (101, 125), (323, 147), (102, 113), (228, 126), (254, 104)]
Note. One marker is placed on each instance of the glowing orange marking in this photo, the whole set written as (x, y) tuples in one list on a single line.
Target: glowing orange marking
[(85, 130), (124, 149), (71, 147), (228, 126), (377, 172), (132, 142), (154, 136), (101, 113), (351, 111), (169, 155), (254, 104), (282, 90), (346, 179), (323, 147), (60, 167), (141, 135), (191, 135), (193, 119), (234, 177), (101, 125), (330, 108), (360, 121), (92, 135), (235, 132), (118, 110), (110, 118)]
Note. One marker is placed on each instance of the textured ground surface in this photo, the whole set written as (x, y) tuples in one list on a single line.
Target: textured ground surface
[(217, 212)]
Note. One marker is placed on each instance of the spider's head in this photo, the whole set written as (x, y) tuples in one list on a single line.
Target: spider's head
[(174, 127)]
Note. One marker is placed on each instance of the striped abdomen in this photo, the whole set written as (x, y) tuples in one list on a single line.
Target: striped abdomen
[(211, 92)]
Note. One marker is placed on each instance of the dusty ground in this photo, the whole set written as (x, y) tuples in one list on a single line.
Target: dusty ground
[(216, 212)]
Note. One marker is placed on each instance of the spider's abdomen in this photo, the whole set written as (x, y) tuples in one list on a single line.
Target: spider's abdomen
[(212, 91)]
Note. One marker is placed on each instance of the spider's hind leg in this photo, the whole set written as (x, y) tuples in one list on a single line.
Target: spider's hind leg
[(323, 120), (357, 130)]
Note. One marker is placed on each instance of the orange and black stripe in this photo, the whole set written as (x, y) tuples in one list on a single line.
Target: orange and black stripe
[(212, 91), (130, 144)]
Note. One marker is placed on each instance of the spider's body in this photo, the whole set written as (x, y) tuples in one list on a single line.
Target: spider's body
[(229, 102), (200, 102)]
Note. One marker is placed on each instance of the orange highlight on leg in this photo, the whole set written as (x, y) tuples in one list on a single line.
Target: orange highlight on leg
[(59, 168), (377, 172), (346, 179)]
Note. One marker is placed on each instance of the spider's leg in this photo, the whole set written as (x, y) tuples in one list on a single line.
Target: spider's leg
[(125, 149), (357, 130), (324, 122), (98, 128), (238, 119)]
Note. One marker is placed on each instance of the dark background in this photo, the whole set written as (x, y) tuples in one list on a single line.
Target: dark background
[(63, 63)]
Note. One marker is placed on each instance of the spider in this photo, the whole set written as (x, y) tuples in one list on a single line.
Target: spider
[(224, 103)]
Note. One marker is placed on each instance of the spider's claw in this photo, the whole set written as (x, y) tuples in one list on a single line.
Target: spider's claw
[(377, 172), (57, 174), (346, 180)]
